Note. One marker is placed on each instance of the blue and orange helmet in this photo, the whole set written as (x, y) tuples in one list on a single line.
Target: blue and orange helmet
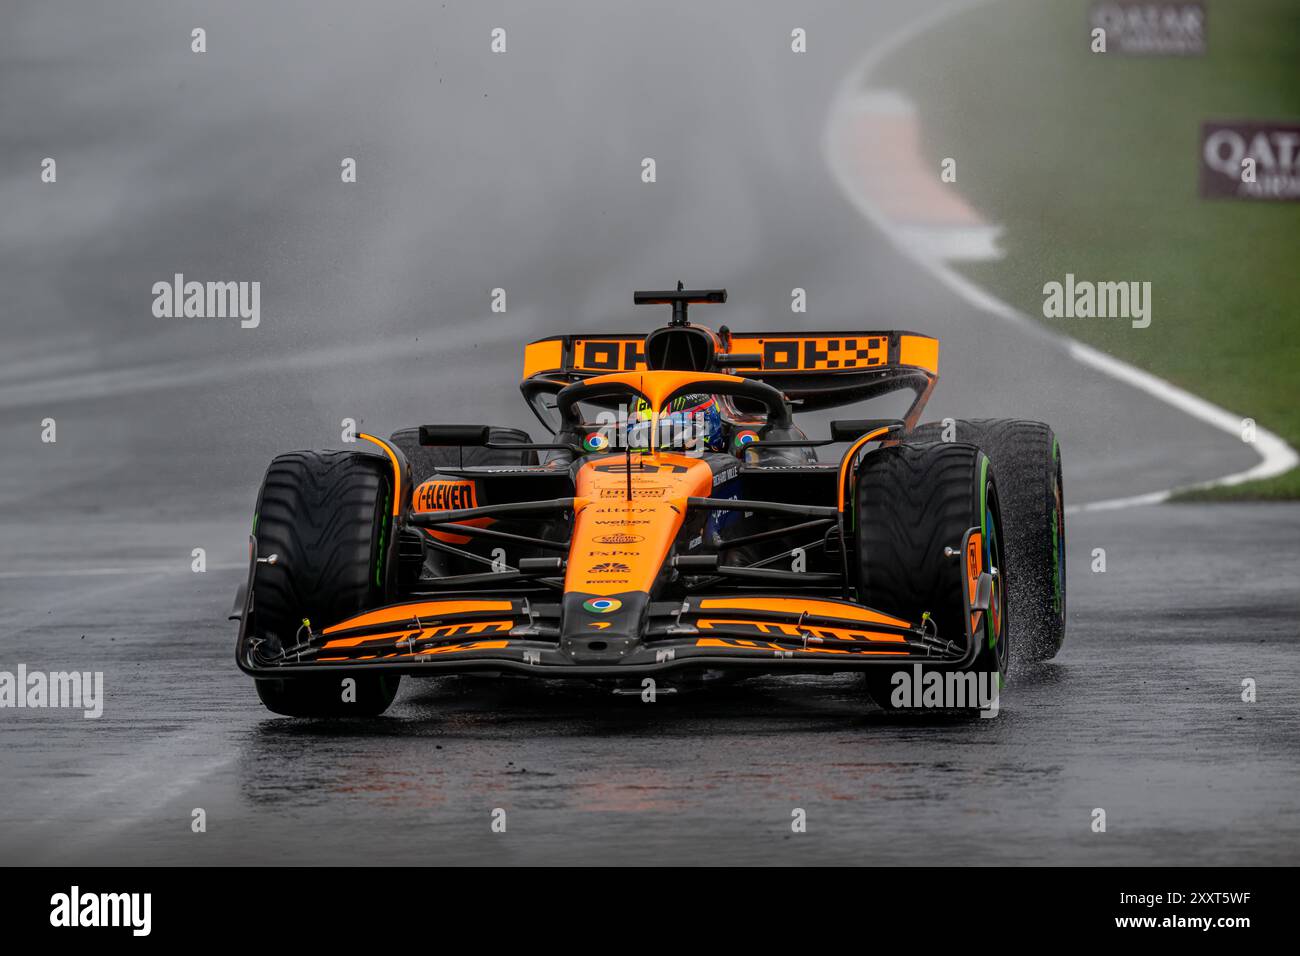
[(687, 422)]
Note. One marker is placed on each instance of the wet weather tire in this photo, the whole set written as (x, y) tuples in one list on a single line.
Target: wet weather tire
[(325, 515), (911, 503), (1027, 457)]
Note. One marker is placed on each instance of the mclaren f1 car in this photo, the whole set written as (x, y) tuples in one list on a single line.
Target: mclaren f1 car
[(676, 524)]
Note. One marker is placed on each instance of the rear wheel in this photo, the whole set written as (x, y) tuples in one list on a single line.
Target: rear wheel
[(326, 515), (913, 507), (1027, 457)]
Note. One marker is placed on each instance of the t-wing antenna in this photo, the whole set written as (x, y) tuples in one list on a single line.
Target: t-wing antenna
[(679, 300)]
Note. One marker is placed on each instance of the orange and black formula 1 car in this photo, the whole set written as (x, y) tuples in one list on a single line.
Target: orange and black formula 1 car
[(677, 524)]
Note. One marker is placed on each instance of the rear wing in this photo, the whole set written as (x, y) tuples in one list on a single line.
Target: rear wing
[(813, 369)]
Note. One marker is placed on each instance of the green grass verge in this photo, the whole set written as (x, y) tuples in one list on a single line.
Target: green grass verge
[(1090, 162)]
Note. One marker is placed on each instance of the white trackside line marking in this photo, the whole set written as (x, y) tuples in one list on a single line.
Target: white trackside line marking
[(1276, 456)]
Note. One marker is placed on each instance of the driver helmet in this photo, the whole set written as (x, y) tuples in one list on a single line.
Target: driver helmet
[(689, 421)]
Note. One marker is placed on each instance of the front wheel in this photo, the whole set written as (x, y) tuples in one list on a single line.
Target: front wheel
[(1027, 457), (327, 517), (913, 507)]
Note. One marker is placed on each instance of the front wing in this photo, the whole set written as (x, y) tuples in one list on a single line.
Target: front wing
[(494, 633)]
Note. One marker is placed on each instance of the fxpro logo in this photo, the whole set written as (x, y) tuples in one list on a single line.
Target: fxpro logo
[(208, 300), (946, 690), (1103, 300), (76, 909)]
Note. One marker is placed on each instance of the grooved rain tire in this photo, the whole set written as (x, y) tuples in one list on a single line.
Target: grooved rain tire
[(1027, 457), (326, 515), (911, 502)]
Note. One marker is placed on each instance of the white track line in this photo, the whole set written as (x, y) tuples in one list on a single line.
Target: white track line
[(1276, 456)]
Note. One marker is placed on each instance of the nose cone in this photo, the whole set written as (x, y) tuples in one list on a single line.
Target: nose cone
[(602, 628)]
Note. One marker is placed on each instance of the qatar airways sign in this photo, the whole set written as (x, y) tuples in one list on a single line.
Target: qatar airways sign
[(1251, 160), (1141, 28)]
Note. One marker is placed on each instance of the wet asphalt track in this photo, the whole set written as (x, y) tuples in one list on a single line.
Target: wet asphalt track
[(522, 171)]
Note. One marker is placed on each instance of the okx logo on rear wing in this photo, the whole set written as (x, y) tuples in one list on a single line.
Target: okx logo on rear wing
[(813, 369)]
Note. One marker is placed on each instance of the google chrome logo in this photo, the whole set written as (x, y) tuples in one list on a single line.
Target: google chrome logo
[(602, 605), (595, 442)]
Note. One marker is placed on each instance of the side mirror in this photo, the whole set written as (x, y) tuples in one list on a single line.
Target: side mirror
[(851, 429), (474, 436)]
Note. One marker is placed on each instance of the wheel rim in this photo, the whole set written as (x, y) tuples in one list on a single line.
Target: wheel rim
[(1058, 539), (996, 625)]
